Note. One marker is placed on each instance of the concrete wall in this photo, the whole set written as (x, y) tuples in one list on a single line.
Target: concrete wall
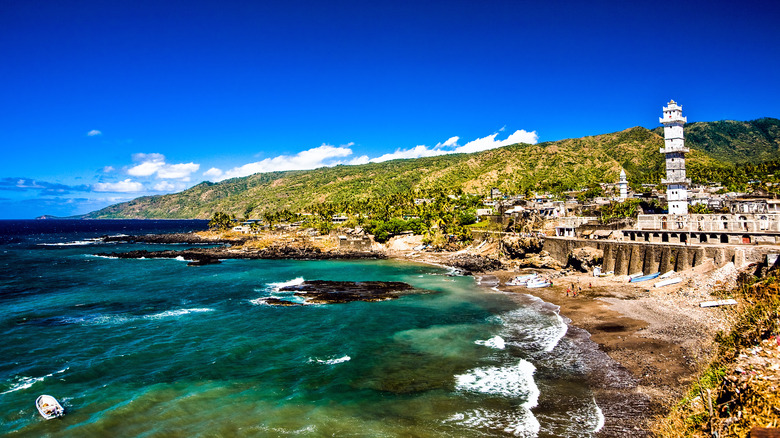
[(632, 257)]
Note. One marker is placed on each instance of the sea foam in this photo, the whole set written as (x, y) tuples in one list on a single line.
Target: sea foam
[(26, 382), (176, 313), (293, 282), (332, 361), (516, 381), (496, 342), (520, 423), (511, 381)]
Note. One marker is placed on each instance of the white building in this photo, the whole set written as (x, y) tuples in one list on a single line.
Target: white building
[(674, 149), (623, 185)]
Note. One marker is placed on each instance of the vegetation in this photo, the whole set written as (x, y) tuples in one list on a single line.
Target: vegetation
[(740, 398), (221, 221), (555, 167)]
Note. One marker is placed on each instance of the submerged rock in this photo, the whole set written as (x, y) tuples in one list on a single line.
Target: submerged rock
[(331, 292)]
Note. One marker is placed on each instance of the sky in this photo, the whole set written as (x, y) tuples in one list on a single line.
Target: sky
[(105, 101)]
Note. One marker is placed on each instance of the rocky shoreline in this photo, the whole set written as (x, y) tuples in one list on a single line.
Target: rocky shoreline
[(211, 256)]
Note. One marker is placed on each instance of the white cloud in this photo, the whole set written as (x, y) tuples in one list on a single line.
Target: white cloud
[(324, 155), (93, 133), (415, 152), (451, 146), (151, 164), (164, 186), (108, 169), (490, 142), (309, 159), (126, 186), (213, 173), (180, 171), (451, 142)]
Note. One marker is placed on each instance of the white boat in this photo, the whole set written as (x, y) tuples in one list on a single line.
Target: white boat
[(667, 282), (521, 280), (730, 302), (537, 282), (638, 274), (49, 407), (597, 272)]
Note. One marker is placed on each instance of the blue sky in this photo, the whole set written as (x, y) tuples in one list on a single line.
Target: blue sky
[(105, 101)]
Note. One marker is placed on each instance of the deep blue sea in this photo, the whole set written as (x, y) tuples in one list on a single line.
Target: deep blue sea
[(155, 348)]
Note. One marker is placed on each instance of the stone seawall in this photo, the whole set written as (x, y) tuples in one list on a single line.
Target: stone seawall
[(627, 258)]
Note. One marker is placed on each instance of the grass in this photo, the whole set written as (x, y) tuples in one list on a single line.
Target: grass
[(739, 400)]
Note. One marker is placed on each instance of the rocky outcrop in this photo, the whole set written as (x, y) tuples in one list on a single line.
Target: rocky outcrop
[(517, 247), (332, 292), (208, 256), (543, 260), (175, 238), (585, 259), (469, 263)]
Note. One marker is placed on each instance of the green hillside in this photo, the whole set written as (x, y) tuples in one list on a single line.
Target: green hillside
[(716, 148)]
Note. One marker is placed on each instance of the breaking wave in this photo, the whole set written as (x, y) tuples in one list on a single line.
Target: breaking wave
[(332, 361), (496, 342), (26, 382), (516, 381)]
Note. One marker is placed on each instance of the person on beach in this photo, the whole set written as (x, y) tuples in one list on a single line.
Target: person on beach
[(568, 289)]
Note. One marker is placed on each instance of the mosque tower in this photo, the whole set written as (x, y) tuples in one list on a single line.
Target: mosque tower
[(623, 185), (674, 149)]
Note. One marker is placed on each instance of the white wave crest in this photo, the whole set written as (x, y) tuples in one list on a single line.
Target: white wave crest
[(333, 361), (520, 423), (496, 342), (293, 282), (515, 381), (176, 313), (512, 381), (26, 382), (556, 333), (599, 417), (73, 243), (538, 326)]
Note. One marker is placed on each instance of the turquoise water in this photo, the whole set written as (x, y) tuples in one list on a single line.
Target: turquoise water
[(156, 348)]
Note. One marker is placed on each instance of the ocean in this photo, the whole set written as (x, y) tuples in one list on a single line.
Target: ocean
[(156, 348)]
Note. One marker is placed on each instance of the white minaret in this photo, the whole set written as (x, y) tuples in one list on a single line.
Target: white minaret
[(674, 149), (623, 185)]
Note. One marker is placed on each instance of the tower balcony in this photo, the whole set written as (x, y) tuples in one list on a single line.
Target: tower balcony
[(676, 181), (674, 149), (673, 119)]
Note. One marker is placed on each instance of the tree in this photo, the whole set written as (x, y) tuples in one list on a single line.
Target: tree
[(221, 221)]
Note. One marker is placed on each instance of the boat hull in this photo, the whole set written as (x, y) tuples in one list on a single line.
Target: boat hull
[(644, 278), (49, 407)]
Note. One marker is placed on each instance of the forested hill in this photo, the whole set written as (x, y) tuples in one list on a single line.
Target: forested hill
[(724, 150)]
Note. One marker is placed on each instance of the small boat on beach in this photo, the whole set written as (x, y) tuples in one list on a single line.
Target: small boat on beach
[(644, 278), (538, 282), (667, 282), (521, 280), (49, 407), (597, 272)]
